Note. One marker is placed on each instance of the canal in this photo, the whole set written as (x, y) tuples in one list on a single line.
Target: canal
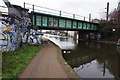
[(91, 59)]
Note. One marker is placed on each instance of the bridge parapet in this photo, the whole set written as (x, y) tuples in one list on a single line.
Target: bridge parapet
[(47, 21)]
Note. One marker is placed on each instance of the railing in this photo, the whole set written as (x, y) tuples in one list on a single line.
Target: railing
[(46, 10)]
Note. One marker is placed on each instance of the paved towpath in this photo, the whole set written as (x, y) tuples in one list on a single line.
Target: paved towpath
[(45, 65)]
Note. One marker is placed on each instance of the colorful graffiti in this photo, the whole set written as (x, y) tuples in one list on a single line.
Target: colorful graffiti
[(34, 37), (14, 28), (9, 33), (14, 32)]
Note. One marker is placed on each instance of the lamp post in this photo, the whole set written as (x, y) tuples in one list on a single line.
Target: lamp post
[(107, 11)]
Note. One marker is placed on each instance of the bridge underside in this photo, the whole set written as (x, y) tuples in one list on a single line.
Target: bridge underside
[(55, 28), (82, 34)]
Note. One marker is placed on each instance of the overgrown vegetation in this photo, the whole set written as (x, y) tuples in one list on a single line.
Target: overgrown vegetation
[(13, 63), (111, 27)]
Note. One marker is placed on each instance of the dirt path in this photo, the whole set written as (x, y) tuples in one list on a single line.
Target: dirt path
[(45, 65)]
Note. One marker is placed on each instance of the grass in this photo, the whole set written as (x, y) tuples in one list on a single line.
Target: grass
[(0, 65), (13, 63)]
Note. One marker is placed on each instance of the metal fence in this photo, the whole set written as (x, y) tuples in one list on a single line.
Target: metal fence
[(46, 10)]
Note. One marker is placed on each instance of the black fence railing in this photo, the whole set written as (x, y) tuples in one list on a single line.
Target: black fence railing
[(36, 8)]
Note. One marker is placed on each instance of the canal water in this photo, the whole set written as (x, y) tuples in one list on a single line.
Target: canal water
[(95, 60), (92, 59)]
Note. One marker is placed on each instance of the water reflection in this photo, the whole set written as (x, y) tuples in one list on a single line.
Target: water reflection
[(95, 60)]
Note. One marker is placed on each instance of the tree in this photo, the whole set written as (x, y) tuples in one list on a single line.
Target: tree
[(111, 27)]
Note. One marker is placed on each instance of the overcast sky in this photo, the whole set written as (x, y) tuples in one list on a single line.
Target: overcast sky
[(80, 7)]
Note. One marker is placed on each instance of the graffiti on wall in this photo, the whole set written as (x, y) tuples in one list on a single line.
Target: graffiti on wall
[(12, 30), (10, 34)]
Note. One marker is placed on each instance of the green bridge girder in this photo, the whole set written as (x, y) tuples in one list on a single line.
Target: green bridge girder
[(47, 21)]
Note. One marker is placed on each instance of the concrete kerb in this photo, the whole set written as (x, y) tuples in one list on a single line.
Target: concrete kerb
[(69, 71)]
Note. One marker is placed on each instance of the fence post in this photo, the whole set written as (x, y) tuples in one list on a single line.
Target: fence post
[(33, 8), (60, 13), (84, 18), (73, 16), (24, 5), (89, 17)]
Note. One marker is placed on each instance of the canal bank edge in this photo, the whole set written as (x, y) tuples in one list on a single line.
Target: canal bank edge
[(69, 71)]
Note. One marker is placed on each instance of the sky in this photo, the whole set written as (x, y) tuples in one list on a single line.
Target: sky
[(80, 7)]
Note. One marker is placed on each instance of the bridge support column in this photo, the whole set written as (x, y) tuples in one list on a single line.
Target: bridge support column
[(80, 35), (85, 35)]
